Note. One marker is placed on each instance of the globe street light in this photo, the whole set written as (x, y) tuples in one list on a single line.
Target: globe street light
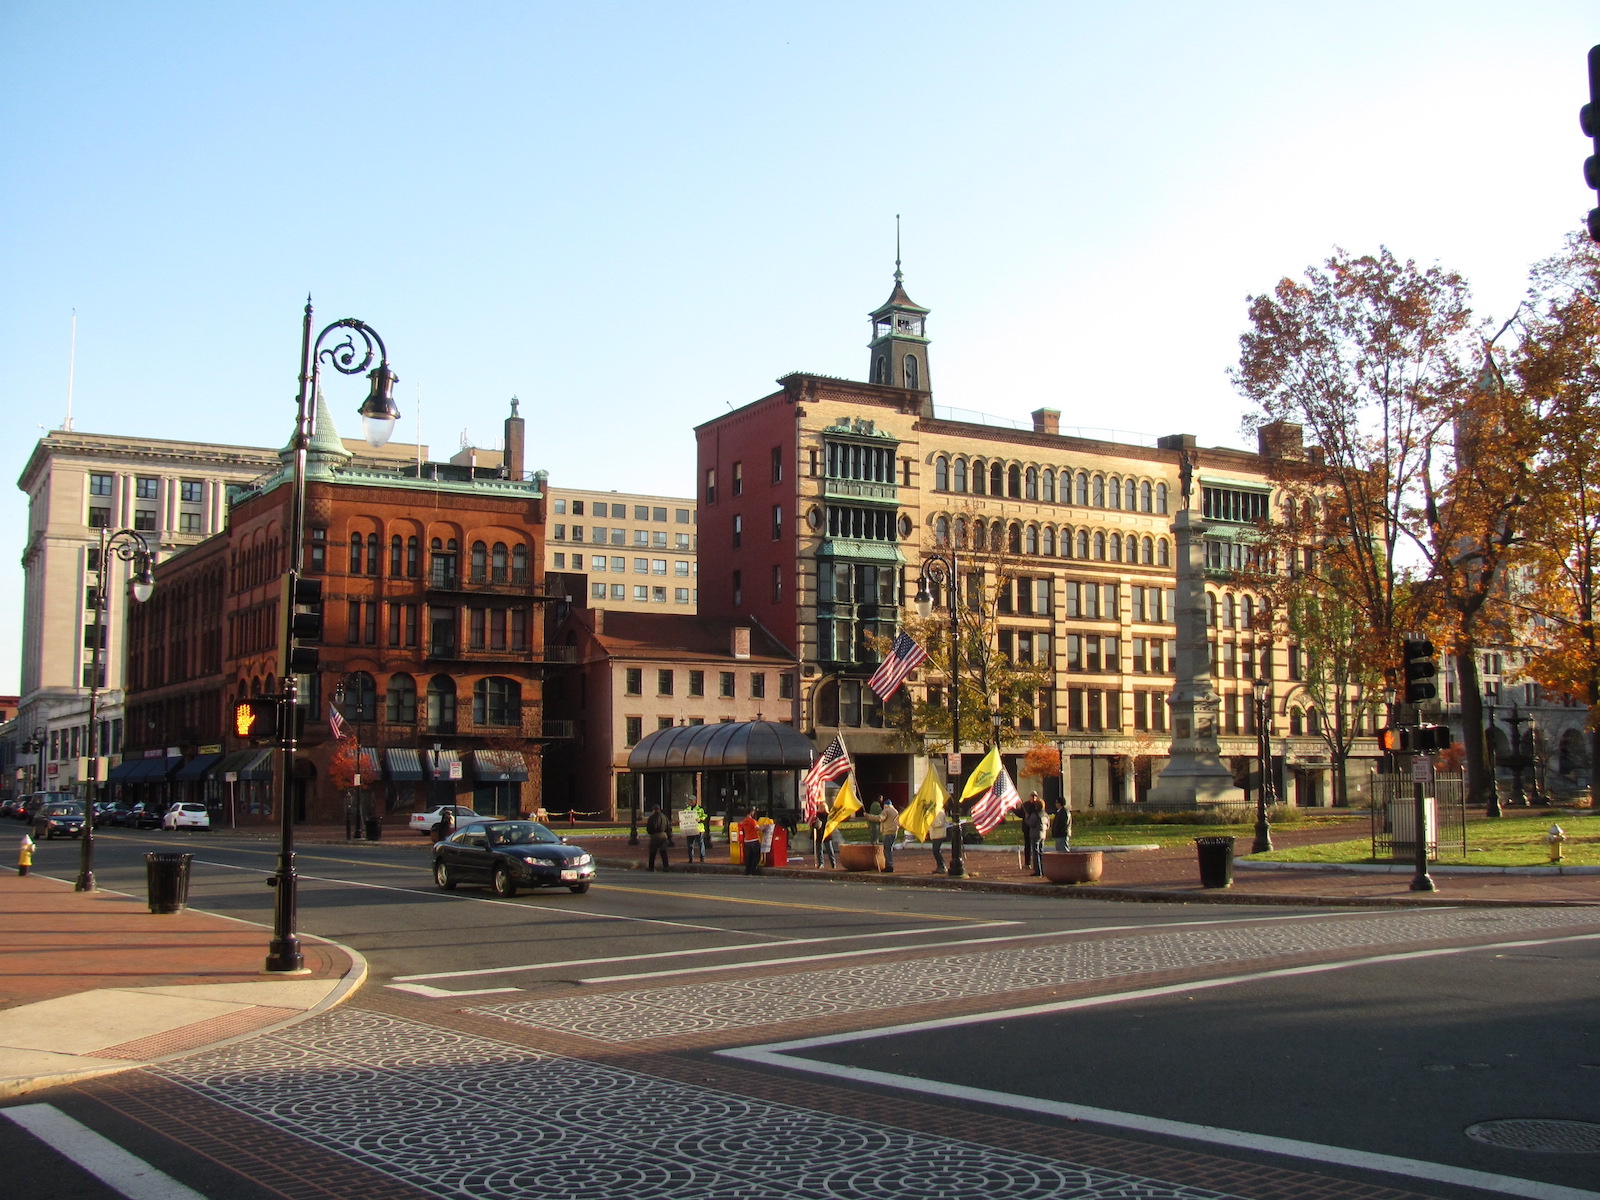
[(131, 547), (1492, 766), (1261, 695), (378, 416), (942, 570)]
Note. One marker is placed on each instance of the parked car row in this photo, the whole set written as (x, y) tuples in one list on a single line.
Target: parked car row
[(62, 814)]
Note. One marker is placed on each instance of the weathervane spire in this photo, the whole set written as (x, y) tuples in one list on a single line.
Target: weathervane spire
[(898, 277)]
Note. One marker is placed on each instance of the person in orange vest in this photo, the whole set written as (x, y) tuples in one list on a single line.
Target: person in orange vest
[(750, 842), (25, 855)]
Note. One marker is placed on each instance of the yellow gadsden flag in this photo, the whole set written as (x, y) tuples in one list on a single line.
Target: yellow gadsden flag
[(982, 779), (845, 805), (918, 816)]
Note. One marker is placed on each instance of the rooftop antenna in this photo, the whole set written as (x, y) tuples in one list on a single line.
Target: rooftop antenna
[(72, 362), (897, 275), (419, 429)]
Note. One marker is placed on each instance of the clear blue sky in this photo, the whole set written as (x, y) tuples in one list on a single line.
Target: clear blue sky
[(635, 215)]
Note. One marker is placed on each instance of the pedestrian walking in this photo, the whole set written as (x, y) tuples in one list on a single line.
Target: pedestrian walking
[(888, 822), (693, 820), (657, 826), (937, 832), (1032, 813), (1061, 826), (25, 855), (750, 843)]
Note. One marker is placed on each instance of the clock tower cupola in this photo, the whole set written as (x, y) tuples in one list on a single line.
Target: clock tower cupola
[(899, 342)]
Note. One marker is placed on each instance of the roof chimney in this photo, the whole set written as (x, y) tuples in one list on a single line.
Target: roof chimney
[(1280, 439), (1046, 420), (599, 619), (741, 641), (512, 459)]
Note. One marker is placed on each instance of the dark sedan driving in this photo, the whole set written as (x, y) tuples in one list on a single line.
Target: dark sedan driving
[(508, 855)]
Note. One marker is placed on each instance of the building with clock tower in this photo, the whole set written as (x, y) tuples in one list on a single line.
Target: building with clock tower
[(900, 341)]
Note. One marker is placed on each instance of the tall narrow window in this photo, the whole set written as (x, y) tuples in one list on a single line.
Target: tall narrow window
[(913, 377)]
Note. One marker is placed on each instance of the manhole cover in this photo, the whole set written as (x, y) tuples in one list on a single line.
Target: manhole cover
[(1539, 1136)]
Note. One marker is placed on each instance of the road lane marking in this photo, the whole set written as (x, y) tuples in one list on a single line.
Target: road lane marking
[(105, 1160), (871, 912), (433, 993), (779, 1055), (593, 962)]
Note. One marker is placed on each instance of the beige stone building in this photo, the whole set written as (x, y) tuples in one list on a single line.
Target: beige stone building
[(176, 494), (639, 552)]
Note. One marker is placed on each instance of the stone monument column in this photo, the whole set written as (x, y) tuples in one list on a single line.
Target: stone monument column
[(1195, 774)]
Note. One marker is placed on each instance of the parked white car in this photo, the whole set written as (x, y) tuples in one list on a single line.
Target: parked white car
[(426, 822), (186, 816)]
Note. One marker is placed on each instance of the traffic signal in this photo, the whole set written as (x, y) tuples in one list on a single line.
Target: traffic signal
[(1589, 118), (1395, 741), (302, 599), (1420, 670), (1419, 739), (256, 718)]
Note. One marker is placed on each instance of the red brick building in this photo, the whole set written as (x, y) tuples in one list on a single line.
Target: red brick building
[(432, 649)]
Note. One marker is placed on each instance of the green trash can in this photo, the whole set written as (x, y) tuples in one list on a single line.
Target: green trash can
[(167, 880), (1216, 861)]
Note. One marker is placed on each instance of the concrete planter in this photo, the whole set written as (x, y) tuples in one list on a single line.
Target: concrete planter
[(861, 856), (1072, 866)]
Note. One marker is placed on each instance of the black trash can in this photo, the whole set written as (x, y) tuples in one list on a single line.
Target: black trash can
[(374, 829), (167, 878), (1216, 861)]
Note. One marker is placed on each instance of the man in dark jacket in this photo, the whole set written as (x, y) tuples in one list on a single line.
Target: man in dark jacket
[(657, 827)]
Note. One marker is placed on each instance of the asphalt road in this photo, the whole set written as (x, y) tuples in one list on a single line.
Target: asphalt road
[(1156, 1050)]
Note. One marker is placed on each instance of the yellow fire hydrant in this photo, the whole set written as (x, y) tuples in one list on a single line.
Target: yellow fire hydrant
[(1556, 838), (25, 855)]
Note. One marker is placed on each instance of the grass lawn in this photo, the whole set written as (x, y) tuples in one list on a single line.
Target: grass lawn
[(1127, 829), (1511, 841)]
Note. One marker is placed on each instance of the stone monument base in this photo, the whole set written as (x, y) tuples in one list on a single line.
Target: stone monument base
[(1194, 783)]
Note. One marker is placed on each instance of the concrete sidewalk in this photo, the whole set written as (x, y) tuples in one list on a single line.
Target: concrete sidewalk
[(92, 983)]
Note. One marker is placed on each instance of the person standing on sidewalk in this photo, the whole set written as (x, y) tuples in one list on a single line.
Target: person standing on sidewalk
[(750, 843), (656, 825), (1061, 826), (827, 846), (1033, 834), (694, 830), (937, 832), (888, 822), (445, 825)]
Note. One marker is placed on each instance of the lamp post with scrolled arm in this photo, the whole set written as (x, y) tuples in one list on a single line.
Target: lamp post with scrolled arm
[(128, 546), (378, 415), (942, 569)]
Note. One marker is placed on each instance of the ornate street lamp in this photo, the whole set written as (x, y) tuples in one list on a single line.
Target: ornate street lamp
[(1518, 760), (131, 547), (1261, 696), (378, 416), (941, 568), (1493, 767)]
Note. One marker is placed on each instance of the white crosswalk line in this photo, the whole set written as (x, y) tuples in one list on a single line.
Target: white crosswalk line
[(105, 1160)]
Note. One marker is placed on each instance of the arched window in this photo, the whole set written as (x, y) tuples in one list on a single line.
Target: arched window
[(1296, 723), (1131, 550), (1047, 542), (396, 557), (1161, 497), (357, 697), (1014, 538), (480, 562), (961, 533), (1211, 610), (941, 531), (997, 479), (401, 706), (941, 474), (519, 564), (355, 554), (880, 369), (497, 701), (979, 476), (1115, 498), (372, 554), (961, 475), (441, 704), (980, 535), (997, 535), (413, 556), (1145, 496), (1230, 612), (497, 563), (1249, 612), (1116, 547), (1014, 482), (1030, 540), (1130, 495), (1030, 484), (1148, 556), (1100, 546), (1083, 489), (1099, 491), (1162, 554), (1314, 724), (1083, 543), (913, 379), (1048, 494)]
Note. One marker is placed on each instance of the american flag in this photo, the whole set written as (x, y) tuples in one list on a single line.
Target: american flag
[(833, 764), (335, 722), (989, 809), (904, 657)]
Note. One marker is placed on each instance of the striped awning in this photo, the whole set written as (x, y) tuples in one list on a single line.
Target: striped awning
[(499, 766), (254, 764), (404, 764), (196, 767), (369, 765), (437, 762)]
